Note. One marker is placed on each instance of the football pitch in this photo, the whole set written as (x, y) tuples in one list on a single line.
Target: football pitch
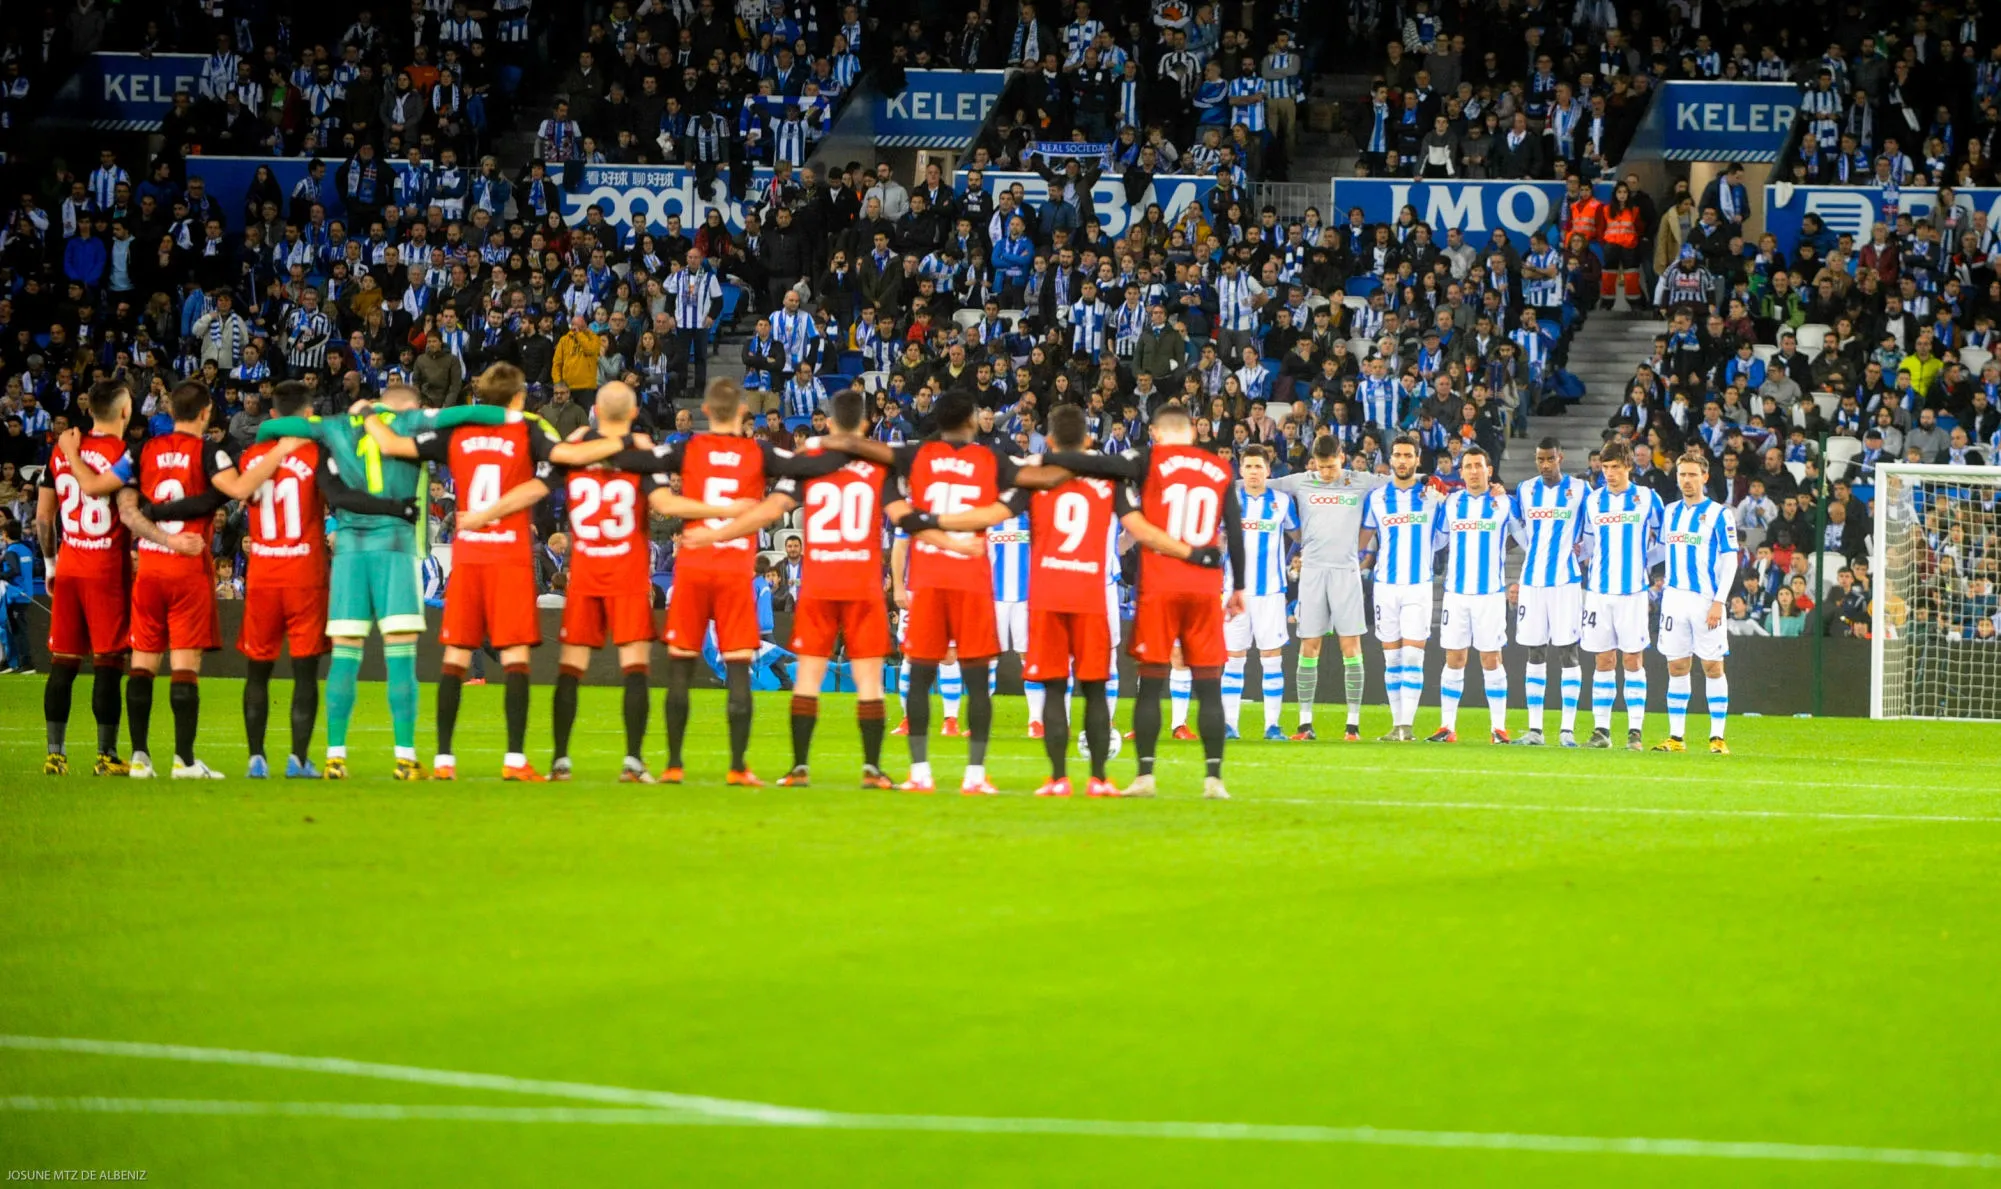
[(1382, 965)]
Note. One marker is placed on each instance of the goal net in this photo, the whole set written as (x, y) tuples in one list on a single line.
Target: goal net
[(1937, 556)]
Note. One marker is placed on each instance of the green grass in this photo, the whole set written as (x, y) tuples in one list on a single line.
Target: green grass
[(1465, 939)]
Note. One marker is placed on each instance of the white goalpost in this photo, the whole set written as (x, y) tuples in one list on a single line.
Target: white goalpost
[(1936, 550)]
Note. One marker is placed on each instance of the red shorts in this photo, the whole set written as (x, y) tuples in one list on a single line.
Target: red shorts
[(89, 616), (942, 619), (862, 623), (702, 597), (174, 612), (590, 620), (294, 615), (1056, 638), (491, 603), (1192, 619)]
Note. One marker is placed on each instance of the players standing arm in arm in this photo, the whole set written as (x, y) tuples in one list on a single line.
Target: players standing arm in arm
[(339, 496), (899, 562), (225, 482), (92, 481), (1152, 536), (141, 526)]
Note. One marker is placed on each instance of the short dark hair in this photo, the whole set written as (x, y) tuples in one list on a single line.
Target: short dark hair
[(102, 400), (291, 398), (1408, 439), (1327, 446), (187, 400), (954, 410), (1549, 444), (1173, 415), (1476, 452), (846, 408), (1068, 427)]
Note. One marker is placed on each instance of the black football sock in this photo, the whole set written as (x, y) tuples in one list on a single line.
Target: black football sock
[(563, 709), (256, 704), (1146, 720), (305, 703), (56, 697), (917, 708), (1056, 726), (105, 704), (979, 709), (139, 709), (451, 682), (805, 715), (736, 677), (635, 711), (1097, 724), (184, 697), (869, 716), (1209, 721), (680, 675), (516, 702)]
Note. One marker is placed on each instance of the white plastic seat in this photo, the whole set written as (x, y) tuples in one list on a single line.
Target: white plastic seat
[(1973, 359)]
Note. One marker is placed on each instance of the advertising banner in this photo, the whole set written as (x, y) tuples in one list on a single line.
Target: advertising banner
[(937, 109), (1475, 208), (130, 92)]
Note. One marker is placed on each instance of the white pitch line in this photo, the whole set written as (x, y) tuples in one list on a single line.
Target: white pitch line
[(1721, 776), (1639, 810), (660, 1108)]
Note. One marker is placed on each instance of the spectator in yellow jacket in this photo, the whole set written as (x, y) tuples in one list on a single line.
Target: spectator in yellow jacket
[(577, 361)]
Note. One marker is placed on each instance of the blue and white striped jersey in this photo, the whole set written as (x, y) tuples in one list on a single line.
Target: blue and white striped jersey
[(1007, 553), (1381, 398), (1401, 519), (1700, 541), (1267, 517), (1548, 519), (1619, 528), (1475, 528)]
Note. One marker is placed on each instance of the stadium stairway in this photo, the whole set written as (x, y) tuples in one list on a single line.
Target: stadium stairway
[(1603, 355)]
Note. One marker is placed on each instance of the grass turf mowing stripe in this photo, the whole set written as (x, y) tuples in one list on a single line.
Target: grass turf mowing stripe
[(662, 1108)]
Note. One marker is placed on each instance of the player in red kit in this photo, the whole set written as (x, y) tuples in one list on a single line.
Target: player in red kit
[(840, 588), (87, 507), (712, 581), (609, 598), (951, 593), (1186, 491), (285, 588), (499, 473), (186, 477), (1068, 630)]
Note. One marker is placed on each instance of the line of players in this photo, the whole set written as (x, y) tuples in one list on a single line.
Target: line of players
[(1175, 501)]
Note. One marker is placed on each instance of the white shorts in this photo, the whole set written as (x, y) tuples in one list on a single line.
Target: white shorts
[(1474, 621), (1011, 619), (1262, 625), (1685, 629), (1403, 612), (1615, 623), (1112, 613), (1549, 615)]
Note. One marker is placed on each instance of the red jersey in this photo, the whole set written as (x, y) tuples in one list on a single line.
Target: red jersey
[(843, 523), (175, 466), (609, 552), (94, 541), (287, 541), (1069, 544), (715, 469), (486, 462), (1186, 491), (941, 478)]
